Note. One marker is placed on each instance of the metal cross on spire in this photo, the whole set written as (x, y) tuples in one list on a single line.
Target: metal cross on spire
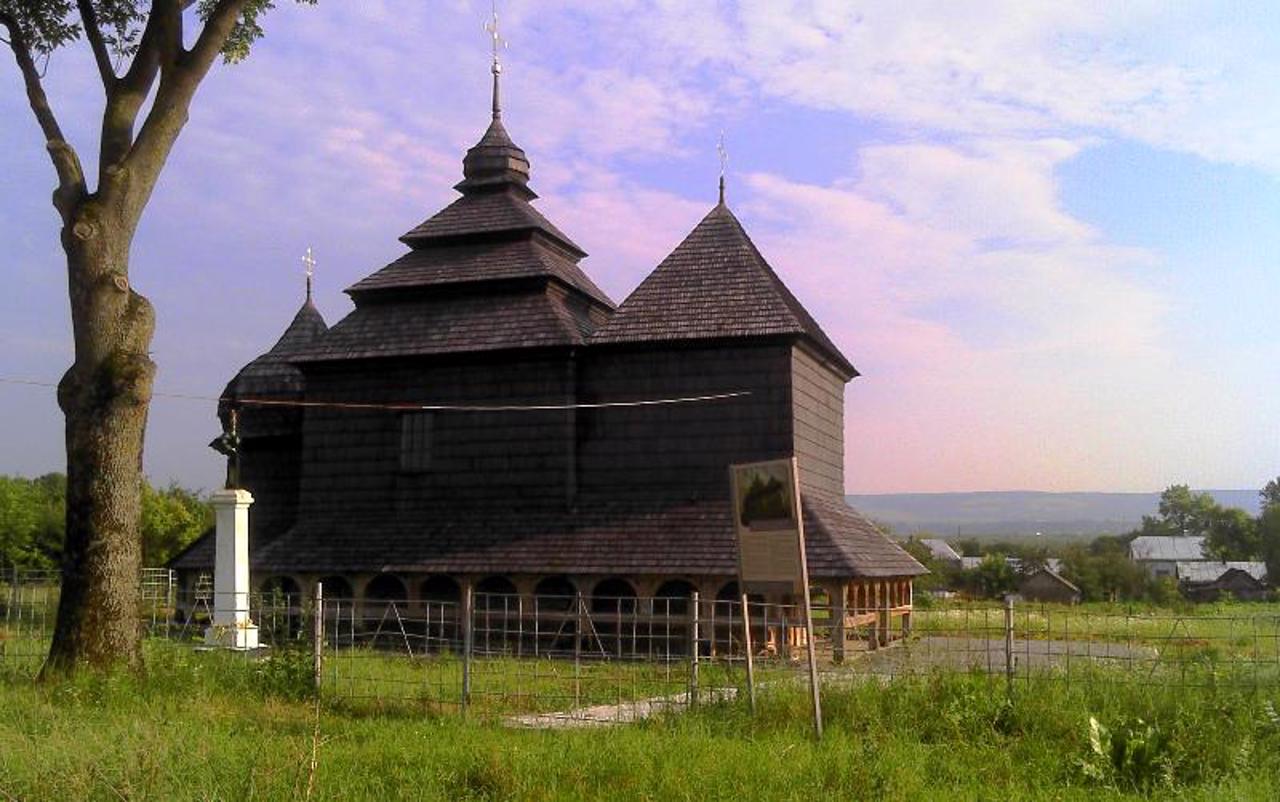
[(724, 161), (498, 43), (309, 262)]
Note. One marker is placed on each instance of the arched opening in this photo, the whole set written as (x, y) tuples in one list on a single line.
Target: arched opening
[(613, 607), (727, 616), (440, 589), (556, 615), (386, 588), (337, 588), (277, 610), (613, 595), (386, 601), (671, 607), (555, 593), (495, 593), (283, 588), (339, 601), (385, 595), (672, 598), (441, 606), (496, 625)]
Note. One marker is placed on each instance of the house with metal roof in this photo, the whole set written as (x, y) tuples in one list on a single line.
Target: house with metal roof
[(1208, 580), (941, 551), (1160, 555), (487, 417)]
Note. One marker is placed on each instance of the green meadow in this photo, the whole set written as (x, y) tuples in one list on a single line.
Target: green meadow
[(211, 726)]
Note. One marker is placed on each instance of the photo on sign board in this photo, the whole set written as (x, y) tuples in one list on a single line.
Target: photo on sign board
[(765, 497)]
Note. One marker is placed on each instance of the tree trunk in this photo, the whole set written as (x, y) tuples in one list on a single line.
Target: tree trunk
[(104, 397)]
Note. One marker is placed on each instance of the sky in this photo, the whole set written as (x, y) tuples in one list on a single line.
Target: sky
[(1047, 235)]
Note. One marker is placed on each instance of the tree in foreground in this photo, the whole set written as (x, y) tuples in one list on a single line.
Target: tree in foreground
[(139, 54)]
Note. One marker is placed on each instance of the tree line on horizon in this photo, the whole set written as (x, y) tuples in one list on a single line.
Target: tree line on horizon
[(33, 521), (1101, 568)]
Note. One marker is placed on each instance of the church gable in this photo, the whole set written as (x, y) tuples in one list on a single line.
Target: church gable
[(715, 285)]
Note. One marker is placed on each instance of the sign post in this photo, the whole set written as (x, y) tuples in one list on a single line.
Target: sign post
[(771, 552)]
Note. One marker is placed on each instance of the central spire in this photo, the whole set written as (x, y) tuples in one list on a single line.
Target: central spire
[(495, 163), (498, 43)]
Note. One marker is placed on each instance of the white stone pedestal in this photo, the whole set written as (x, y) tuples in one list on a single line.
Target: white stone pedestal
[(231, 628)]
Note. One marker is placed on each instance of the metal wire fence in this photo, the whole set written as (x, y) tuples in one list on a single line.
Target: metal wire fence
[(561, 660)]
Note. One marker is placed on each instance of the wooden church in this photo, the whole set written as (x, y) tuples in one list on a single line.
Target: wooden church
[(474, 420)]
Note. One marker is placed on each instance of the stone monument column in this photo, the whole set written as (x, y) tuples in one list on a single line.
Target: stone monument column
[(231, 627)]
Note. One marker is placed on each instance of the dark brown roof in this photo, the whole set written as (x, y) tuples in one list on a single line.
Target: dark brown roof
[(271, 376), (634, 536), (497, 261), (467, 323), (495, 161), (715, 284), (485, 213)]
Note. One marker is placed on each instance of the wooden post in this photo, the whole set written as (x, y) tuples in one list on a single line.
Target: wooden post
[(1008, 642), (882, 625), (838, 621), (693, 649), (751, 661), (317, 636), (468, 637), (911, 603)]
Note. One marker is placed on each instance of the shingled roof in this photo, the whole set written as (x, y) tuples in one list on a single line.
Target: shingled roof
[(273, 376), (523, 258), (715, 284), (454, 324), (486, 273), (481, 215), (634, 536)]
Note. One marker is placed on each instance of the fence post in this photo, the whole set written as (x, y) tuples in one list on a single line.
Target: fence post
[(751, 662), (693, 649), (577, 649), (468, 603), (317, 635), (837, 613), (1008, 642)]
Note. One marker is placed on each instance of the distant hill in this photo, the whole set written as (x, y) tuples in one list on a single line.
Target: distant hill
[(1021, 512)]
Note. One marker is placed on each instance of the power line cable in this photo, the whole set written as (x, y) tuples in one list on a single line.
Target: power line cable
[(414, 407)]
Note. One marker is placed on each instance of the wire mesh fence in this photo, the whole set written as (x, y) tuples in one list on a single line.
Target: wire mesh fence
[(562, 660)]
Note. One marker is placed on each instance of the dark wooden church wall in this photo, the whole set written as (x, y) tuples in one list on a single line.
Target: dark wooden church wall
[(683, 449), (511, 457), (270, 470), (818, 394)]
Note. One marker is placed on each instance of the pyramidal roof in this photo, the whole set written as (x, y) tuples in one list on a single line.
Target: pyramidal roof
[(715, 284), (491, 233), (495, 198), (271, 375)]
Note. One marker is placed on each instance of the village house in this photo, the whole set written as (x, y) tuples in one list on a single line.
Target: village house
[(1045, 584), (487, 416)]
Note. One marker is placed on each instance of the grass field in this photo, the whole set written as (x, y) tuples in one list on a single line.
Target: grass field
[(214, 726), (1242, 630)]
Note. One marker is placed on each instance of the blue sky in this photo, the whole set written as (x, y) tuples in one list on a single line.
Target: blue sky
[(1048, 237)]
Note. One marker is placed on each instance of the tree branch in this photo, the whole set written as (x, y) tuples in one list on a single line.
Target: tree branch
[(178, 83), (217, 29), (93, 32), (71, 187)]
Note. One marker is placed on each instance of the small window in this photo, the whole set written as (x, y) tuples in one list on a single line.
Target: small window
[(415, 441)]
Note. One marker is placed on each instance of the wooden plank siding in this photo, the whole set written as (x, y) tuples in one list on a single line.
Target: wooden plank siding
[(352, 456), (682, 449), (818, 413)]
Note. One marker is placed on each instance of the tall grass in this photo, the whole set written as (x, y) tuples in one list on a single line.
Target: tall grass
[(216, 726)]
